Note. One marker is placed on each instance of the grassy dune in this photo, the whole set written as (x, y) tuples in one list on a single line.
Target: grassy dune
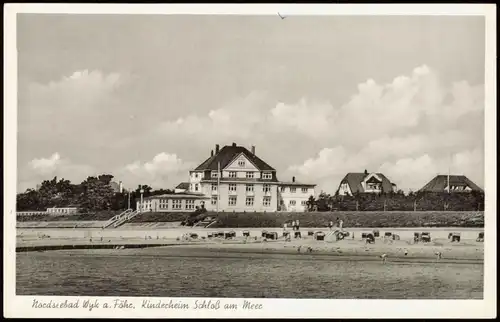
[(307, 219), (355, 219)]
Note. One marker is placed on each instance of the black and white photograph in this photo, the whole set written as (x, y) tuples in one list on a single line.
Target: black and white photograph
[(280, 155)]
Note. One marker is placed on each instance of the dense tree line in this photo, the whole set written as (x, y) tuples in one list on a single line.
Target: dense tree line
[(93, 194), (398, 201)]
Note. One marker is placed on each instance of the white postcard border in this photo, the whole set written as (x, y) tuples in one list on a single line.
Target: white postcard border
[(22, 306)]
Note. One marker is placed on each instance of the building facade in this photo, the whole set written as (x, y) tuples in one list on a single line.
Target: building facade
[(233, 179), (178, 202), (60, 211), (236, 179), (293, 196), (365, 182)]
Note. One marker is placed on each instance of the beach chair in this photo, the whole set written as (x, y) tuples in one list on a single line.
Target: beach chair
[(425, 237), (395, 237), (272, 236), (193, 236), (376, 233), (388, 235), (319, 235), (210, 235), (297, 234), (370, 239), (455, 237), (363, 235), (310, 233), (246, 233), (264, 233), (480, 237)]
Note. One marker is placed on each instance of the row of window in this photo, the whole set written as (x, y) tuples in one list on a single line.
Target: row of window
[(248, 187), (248, 175), (249, 201), (294, 202), (293, 189), (176, 204)]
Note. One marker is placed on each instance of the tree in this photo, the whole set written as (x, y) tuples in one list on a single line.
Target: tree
[(106, 178), (324, 202), (147, 190), (97, 195), (29, 200), (311, 202)]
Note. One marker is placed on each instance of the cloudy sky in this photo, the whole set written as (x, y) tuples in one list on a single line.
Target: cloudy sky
[(146, 98)]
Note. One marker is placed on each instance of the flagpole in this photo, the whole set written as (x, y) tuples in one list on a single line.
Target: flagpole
[(218, 185), (449, 164)]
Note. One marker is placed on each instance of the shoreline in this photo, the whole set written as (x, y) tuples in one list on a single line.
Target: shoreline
[(467, 251)]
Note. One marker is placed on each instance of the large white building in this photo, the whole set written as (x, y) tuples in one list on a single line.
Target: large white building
[(235, 179)]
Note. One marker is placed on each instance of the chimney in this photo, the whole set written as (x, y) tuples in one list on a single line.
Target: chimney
[(366, 172), (216, 148), (120, 187), (234, 145), (253, 149), (293, 179), (212, 153)]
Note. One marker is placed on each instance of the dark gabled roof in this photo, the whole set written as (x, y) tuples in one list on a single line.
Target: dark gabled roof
[(439, 183), (183, 185), (354, 180), (227, 154)]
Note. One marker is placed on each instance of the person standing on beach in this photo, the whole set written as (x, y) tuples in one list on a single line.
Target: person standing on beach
[(298, 228), (293, 225), (330, 225)]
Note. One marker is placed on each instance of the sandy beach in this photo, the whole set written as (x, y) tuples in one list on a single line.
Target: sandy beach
[(468, 249)]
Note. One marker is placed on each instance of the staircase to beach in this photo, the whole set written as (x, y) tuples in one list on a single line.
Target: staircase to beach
[(205, 223), (121, 219)]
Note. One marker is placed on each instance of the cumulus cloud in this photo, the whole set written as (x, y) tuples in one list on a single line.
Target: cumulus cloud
[(44, 168), (76, 107), (46, 165), (406, 128), (412, 123), (165, 170)]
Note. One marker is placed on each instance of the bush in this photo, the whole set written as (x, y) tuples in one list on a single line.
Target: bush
[(353, 219)]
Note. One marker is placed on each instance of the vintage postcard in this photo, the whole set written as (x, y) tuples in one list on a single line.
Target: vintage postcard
[(198, 161)]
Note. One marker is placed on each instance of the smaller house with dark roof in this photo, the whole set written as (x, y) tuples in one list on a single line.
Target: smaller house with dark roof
[(457, 183), (365, 182)]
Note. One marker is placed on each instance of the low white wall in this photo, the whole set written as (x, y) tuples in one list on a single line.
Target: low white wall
[(404, 233)]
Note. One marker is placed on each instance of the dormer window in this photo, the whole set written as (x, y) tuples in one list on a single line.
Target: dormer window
[(214, 174), (267, 175), (232, 174), (241, 163)]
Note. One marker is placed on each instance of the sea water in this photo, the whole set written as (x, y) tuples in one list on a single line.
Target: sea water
[(171, 272)]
